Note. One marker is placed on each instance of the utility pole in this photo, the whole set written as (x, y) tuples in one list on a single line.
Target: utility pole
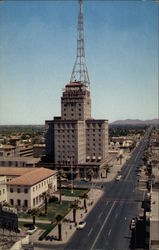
[(71, 176)]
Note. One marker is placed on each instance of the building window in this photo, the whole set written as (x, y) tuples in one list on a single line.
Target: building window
[(34, 202), (19, 202), (39, 185), (25, 190), (36, 187), (11, 190), (33, 189), (12, 202), (79, 114), (26, 203), (3, 191), (0, 192), (18, 190)]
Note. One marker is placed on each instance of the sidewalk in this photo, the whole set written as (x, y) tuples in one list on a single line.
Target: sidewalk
[(69, 228), (114, 170)]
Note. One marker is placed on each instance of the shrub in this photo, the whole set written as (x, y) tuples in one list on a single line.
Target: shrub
[(53, 199)]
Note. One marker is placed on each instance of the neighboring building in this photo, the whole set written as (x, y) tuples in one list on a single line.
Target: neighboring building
[(24, 151), (18, 150), (3, 189), (39, 150), (17, 161), (7, 150), (27, 191), (13, 172)]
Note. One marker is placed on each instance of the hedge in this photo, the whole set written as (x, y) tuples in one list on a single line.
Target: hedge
[(47, 231)]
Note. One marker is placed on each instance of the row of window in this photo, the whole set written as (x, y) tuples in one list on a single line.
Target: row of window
[(66, 131), (73, 109), (19, 190), (66, 125), (37, 200), (72, 104), (43, 183), (65, 136), (89, 131), (72, 114), (94, 125), (19, 203)]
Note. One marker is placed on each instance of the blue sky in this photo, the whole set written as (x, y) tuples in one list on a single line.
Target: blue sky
[(38, 50)]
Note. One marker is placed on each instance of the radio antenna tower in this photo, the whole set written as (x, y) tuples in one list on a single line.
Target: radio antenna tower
[(80, 73)]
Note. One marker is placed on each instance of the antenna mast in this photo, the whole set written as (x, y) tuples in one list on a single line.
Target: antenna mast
[(80, 73)]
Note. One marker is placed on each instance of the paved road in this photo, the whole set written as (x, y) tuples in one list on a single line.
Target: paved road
[(108, 223)]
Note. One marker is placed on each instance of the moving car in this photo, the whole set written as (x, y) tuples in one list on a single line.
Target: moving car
[(118, 178), (81, 225)]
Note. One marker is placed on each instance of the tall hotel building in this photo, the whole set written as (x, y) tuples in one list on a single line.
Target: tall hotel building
[(75, 140)]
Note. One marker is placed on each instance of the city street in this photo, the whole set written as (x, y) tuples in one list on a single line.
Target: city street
[(108, 223)]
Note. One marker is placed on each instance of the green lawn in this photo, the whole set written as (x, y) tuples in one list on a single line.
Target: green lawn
[(76, 192), (53, 209)]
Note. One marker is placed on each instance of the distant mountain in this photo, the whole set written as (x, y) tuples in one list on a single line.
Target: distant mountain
[(136, 122)]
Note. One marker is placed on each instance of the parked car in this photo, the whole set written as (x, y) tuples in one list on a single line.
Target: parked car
[(81, 225), (32, 229), (133, 223)]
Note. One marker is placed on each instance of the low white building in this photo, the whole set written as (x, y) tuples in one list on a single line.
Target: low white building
[(27, 191), (3, 189)]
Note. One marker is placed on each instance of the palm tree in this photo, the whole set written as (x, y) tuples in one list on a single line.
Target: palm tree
[(60, 174), (120, 157), (59, 223), (74, 205), (85, 197)]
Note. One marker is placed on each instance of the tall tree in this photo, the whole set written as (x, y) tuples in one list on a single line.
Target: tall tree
[(59, 223), (85, 197), (61, 174), (74, 205)]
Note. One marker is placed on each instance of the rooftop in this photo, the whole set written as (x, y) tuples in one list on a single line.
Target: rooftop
[(14, 171), (33, 177)]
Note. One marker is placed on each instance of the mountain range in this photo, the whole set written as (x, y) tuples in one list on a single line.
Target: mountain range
[(136, 122)]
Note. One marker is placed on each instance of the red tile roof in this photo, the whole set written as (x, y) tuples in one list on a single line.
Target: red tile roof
[(14, 171), (33, 177)]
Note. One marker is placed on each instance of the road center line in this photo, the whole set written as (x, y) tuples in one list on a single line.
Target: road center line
[(116, 216), (100, 215), (103, 225), (109, 232), (128, 174), (90, 231)]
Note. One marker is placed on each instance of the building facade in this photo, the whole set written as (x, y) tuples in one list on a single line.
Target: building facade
[(27, 191), (75, 136), (3, 189)]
